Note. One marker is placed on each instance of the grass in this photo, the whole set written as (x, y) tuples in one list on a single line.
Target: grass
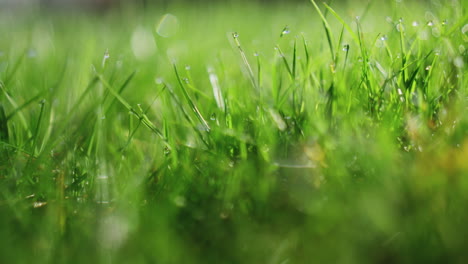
[(294, 133)]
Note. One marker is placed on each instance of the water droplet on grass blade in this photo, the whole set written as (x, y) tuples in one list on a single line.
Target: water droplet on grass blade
[(428, 67), (213, 117), (168, 26), (384, 38), (39, 204), (430, 23), (346, 47), (235, 35), (285, 31), (400, 27), (415, 23), (167, 151), (106, 54), (105, 58)]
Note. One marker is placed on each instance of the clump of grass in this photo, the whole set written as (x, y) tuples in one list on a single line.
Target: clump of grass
[(333, 139)]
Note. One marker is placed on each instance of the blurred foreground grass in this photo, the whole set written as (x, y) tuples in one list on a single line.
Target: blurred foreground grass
[(235, 134)]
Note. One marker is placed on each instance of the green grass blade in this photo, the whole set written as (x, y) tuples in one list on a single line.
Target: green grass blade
[(191, 102), (285, 62), (350, 31), (327, 28), (245, 60), (4, 135)]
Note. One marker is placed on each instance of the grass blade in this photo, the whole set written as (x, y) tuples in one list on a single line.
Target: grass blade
[(245, 60), (190, 101), (350, 31), (327, 28)]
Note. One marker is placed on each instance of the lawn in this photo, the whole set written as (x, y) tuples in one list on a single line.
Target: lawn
[(294, 132)]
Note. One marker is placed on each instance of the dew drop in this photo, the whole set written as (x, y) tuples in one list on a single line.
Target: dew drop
[(430, 23), (106, 54), (105, 58), (167, 151), (346, 47), (285, 31), (400, 27), (213, 117), (39, 204), (187, 67), (235, 35), (415, 23), (384, 38)]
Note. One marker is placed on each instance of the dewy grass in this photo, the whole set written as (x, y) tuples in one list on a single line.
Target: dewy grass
[(342, 139)]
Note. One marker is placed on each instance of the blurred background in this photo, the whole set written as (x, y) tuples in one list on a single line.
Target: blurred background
[(104, 5)]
